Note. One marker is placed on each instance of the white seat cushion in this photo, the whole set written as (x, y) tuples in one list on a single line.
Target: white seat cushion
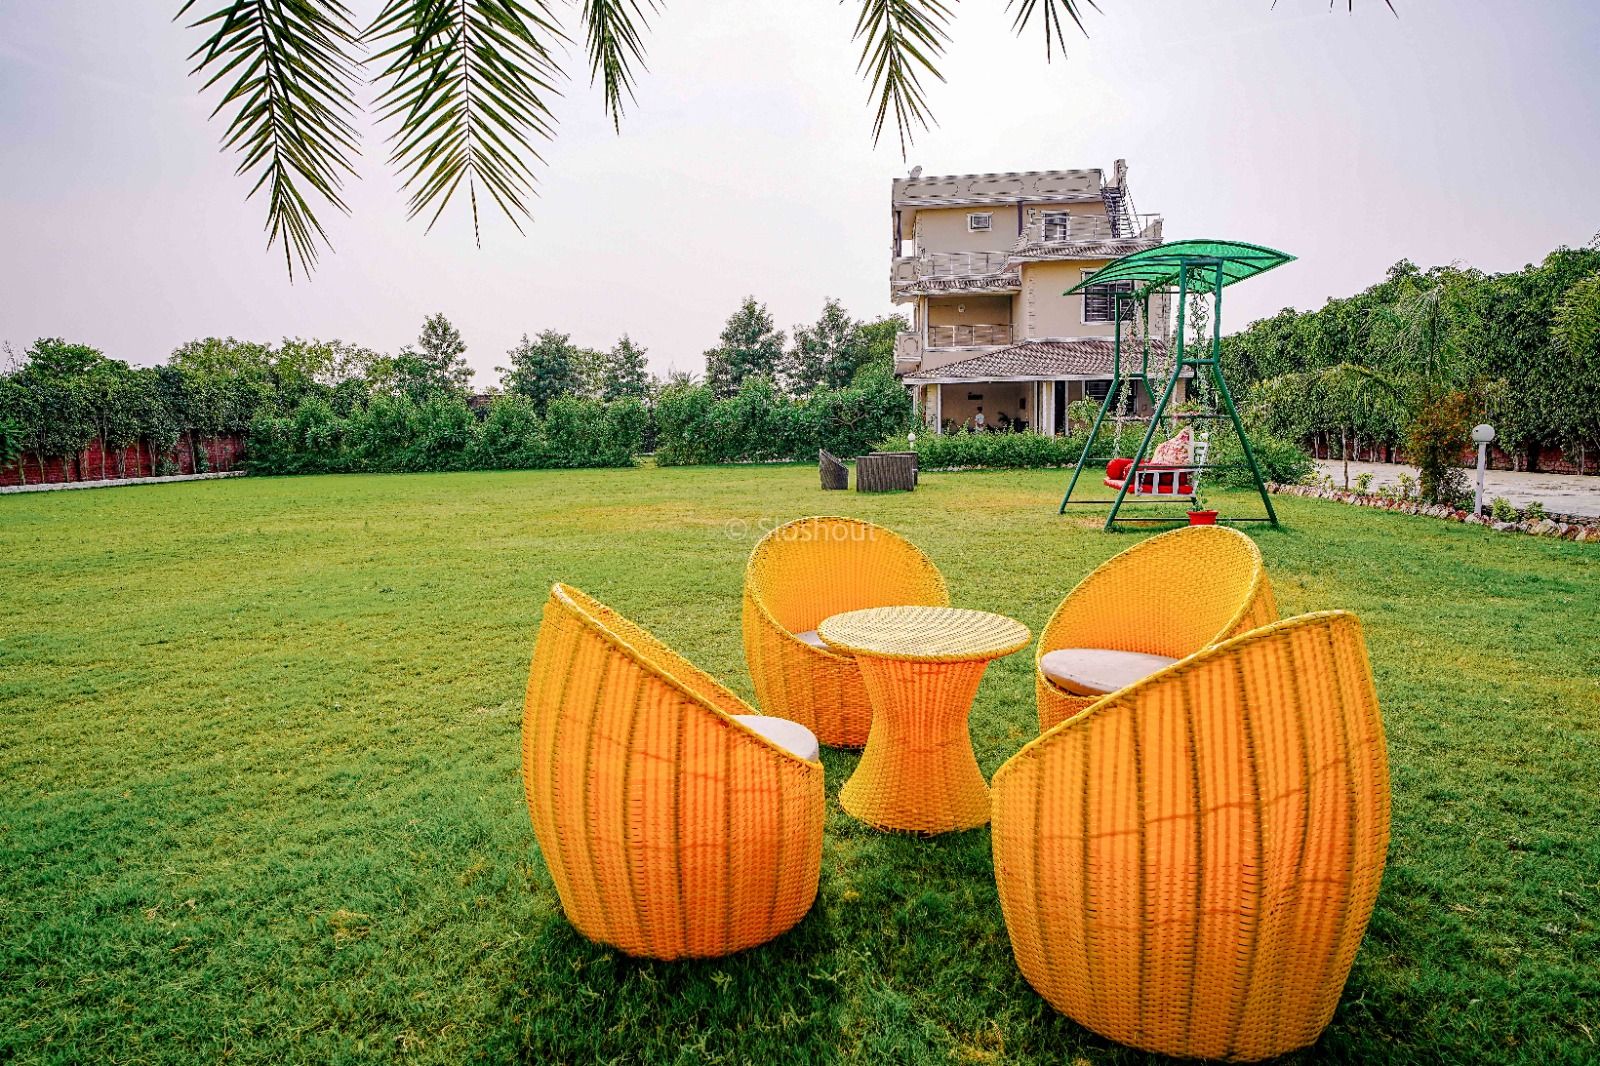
[(791, 736), (811, 638), (1096, 671)]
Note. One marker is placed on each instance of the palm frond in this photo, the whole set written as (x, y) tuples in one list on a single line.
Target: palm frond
[(465, 83), (616, 43), (1050, 12), (900, 41), (292, 67)]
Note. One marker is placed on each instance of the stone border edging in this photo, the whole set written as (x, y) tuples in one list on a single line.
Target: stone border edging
[(58, 486), (1567, 527)]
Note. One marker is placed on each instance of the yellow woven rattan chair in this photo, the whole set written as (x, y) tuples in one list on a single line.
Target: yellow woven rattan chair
[(670, 829), (1189, 865), (803, 572), (1169, 595)]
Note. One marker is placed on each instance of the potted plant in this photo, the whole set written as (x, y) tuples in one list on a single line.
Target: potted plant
[(1200, 514)]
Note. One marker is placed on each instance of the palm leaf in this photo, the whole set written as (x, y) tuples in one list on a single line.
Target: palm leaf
[(289, 71), (615, 42), (1050, 12), (465, 83), (900, 41)]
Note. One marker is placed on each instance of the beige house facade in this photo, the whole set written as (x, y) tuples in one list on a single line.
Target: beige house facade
[(983, 260)]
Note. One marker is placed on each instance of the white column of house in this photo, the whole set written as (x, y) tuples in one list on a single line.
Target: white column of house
[(938, 408)]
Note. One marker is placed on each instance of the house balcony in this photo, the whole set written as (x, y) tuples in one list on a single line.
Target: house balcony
[(936, 272), (1085, 229), (974, 335)]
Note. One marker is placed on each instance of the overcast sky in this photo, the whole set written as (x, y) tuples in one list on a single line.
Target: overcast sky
[(1463, 130)]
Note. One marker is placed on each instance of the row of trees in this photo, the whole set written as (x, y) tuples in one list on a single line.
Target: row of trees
[(828, 354), (1414, 360), (313, 405)]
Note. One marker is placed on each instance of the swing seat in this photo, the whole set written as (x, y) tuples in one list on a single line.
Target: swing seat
[(1152, 479)]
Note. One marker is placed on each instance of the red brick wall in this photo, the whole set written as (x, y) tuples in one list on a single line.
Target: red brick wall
[(1545, 460), (221, 453)]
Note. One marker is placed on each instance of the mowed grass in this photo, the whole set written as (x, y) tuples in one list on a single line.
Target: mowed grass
[(259, 792)]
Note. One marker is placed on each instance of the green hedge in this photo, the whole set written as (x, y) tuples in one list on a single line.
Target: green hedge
[(394, 434), (1280, 460), (760, 423)]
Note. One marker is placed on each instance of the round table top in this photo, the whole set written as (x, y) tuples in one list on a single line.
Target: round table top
[(924, 634)]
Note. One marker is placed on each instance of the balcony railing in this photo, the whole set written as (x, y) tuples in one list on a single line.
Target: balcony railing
[(1076, 228), (959, 264), (968, 336)]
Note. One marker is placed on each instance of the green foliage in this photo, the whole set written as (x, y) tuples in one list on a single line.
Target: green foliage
[(626, 374), (1426, 334), (396, 434), (1279, 460), (759, 423), (749, 347), (1500, 510), (542, 370)]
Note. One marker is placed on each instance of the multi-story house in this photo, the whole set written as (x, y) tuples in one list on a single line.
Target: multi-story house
[(984, 260)]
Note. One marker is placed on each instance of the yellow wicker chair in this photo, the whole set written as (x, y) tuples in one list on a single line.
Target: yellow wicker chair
[(1169, 595), (670, 829), (801, 573), (1189, 865)]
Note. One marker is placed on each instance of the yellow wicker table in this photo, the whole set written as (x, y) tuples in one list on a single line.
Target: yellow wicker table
[(921, 667)]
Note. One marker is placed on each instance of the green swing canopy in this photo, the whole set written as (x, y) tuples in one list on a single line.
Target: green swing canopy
[(1158, 267)]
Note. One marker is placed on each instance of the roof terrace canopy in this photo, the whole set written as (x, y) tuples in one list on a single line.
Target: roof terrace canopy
[(1207, 260)]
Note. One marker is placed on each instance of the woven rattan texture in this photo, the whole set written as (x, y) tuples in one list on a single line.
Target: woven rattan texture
[(1171, 595), (926, 634), (670, 830), (834, 474), (801, 573), (921, 666), (1189, 865)]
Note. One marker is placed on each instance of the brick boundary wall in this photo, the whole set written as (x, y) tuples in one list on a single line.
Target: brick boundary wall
[(96, 463), (1541, 460)]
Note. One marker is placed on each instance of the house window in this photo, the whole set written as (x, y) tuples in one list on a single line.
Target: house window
[(1097, 299), (1057, 226), (980, 222)]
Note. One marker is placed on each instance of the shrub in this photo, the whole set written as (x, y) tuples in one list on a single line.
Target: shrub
[(1364, 483), (1500, 510), (758, 423), (1282, 461)]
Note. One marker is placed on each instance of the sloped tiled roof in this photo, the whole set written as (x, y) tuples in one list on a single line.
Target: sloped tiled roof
[(1114, 248), (1088, 357), (1002, 281)]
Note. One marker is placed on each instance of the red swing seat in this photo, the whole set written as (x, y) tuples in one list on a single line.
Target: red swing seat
[(1160, 479), (1153, 479)]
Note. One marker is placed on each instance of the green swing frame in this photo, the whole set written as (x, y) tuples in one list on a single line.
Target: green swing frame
[(1168, 268)]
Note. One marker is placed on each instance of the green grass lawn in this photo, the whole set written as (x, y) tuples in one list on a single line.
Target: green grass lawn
[(259, 795)]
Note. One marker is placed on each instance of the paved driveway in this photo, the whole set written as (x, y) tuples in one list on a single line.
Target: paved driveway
[(1561, 493)]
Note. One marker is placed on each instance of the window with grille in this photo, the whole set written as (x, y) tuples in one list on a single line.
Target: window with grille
[(1097, 300), (980, 222), (1057, 226)]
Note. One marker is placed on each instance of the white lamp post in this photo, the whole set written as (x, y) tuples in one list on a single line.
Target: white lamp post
[(1481, 436)]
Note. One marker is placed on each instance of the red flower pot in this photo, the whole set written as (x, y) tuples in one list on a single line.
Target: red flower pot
[(1202, 518)]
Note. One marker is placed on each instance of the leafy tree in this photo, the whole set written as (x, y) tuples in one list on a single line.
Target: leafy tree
[(1575, 334), (876, 348), (589, 370), (627, 375), (441, 350), (542, 370), (749, 347), (825, 354)]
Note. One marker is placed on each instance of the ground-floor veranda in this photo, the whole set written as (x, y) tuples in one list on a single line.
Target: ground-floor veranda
[(1038, 404)]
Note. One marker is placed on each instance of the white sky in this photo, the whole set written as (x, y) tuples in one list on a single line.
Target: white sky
[(1461, 131)]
